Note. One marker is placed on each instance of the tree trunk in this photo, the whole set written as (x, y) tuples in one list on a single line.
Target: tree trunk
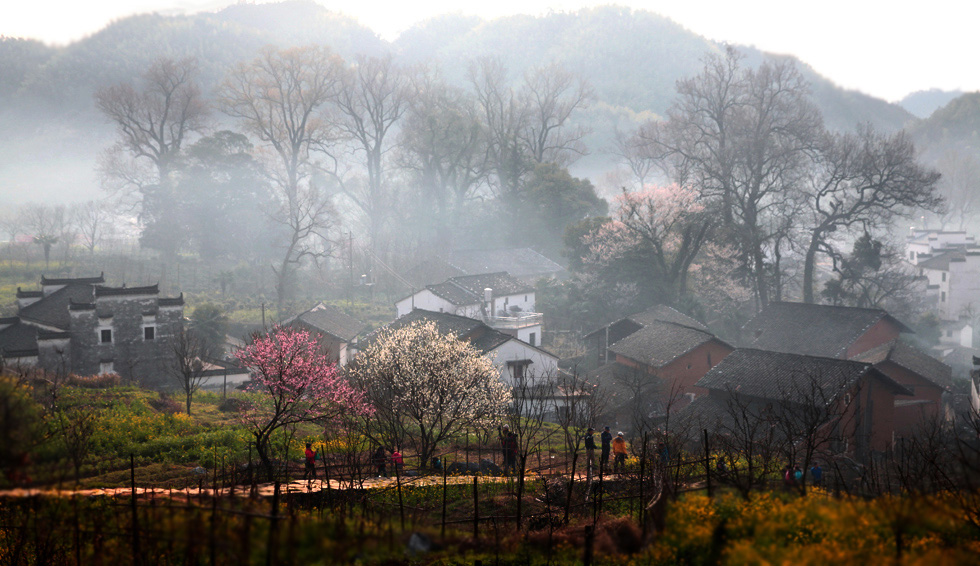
[(808, 268)]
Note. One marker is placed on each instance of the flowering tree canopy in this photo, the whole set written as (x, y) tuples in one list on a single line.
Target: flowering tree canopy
[(296, 383), (425, 387)]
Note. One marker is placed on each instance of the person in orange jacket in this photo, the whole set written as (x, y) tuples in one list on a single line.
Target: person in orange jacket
[(619, 450)]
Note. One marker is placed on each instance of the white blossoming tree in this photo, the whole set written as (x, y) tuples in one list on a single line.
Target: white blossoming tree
[(425, 387)]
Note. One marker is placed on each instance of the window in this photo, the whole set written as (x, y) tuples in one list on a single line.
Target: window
[(949, 333), (105, 336), (532, 339), (106, 367), (942, 297), (944, 276), (525, 298), (518, 369), (912, 256), (149, 332), (709, 359)]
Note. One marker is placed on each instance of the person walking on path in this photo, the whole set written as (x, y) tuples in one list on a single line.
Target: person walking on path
[(589, 453), (310, 471), (619, 449), (606, 438), (397, 461)]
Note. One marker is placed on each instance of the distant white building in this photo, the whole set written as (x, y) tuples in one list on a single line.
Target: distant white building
[(925, 244), (954, 282), (502, 302)]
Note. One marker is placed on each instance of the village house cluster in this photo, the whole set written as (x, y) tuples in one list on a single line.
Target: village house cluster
[(660, 364)]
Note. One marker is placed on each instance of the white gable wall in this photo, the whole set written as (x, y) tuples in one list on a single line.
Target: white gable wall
[(424, 299), (542, 363)]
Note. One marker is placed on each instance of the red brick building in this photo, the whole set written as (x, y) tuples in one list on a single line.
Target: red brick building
[(924, 376), (853, 401), (652, 360)]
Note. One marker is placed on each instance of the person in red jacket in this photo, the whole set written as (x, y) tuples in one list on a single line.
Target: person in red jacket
[(310, 472), (397, 461)]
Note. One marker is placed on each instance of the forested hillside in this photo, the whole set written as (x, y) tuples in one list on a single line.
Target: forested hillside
[(632, 59)]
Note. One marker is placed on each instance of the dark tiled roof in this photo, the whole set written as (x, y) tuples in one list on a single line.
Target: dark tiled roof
[(519, 262), (501, 282), (18, 339), (659, 343), (661, 313), (455, 294), (912, 359), (328, 319), (101, 291), (942, 261), (815, 330), (481, 336), (788, 377), (53, 309), (100, 278), (171, 301), (657, 336), (21, 294)]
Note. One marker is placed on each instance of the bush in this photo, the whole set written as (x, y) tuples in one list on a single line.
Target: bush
[(165, 404), (101, 381), (230, 405)]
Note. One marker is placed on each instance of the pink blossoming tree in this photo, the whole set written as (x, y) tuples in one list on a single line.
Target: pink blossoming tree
[(295, 383)]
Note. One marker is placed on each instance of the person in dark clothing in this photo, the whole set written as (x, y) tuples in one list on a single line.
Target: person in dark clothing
[(816, 472), (310, 471), (511, 449), (380, 461), (606, 438), (589, 439)]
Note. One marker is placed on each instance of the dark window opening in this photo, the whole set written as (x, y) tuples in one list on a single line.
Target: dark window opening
[(149, 332), (518, 369), (105, 336)]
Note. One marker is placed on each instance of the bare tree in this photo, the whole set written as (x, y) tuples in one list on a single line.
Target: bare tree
[(443, 143), (959, 187), (531, 405), (550, 96), (282, 98), (95, 223), (743, 138), (864, 181), (153, 121), (189, 363), (372, 100), (504, 118), (46, 224)]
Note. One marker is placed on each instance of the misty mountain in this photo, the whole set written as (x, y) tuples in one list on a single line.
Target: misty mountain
[(633, 58), (956, 124), (924, 102)]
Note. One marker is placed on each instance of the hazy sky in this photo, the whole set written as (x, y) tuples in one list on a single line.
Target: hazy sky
[(886, 49)]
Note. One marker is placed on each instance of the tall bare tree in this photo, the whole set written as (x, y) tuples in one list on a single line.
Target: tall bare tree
[(153, 120), (862, 180), (550, 96), (283, 98), (742, 137), (372, 100), (443, 144)]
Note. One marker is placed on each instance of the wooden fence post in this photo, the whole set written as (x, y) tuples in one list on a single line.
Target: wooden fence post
[(476, 509), (137, 554), (707, 463)]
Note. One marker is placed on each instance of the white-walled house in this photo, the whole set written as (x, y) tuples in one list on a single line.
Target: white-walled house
[(504, 303), (954, 282), (925, 244), (513, 358)]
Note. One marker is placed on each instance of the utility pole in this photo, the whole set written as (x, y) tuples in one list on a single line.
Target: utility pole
[(350, 268)]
